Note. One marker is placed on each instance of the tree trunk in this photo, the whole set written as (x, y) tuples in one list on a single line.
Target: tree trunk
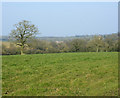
[(97, 49), (22, 50)]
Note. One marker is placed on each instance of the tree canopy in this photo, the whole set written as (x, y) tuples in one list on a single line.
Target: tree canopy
[(22, 32)]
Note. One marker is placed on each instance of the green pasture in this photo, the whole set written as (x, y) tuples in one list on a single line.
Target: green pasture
[(60, 74)]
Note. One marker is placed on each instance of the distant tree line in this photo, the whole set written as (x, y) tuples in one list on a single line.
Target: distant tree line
[(24, 42), (109, 43)]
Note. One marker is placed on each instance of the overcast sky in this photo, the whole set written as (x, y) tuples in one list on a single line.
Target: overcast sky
[(62, 18)]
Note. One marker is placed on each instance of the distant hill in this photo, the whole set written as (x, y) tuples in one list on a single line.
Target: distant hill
[(6, 38)]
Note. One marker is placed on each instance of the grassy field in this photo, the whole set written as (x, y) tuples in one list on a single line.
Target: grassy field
[(60, 74)]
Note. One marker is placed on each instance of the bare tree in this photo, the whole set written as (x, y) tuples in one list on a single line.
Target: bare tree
[(22, 32)]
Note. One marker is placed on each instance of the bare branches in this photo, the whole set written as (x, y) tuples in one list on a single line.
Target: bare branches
[(23, 31)]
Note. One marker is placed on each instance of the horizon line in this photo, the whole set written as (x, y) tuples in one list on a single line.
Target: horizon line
[(70, 35)]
